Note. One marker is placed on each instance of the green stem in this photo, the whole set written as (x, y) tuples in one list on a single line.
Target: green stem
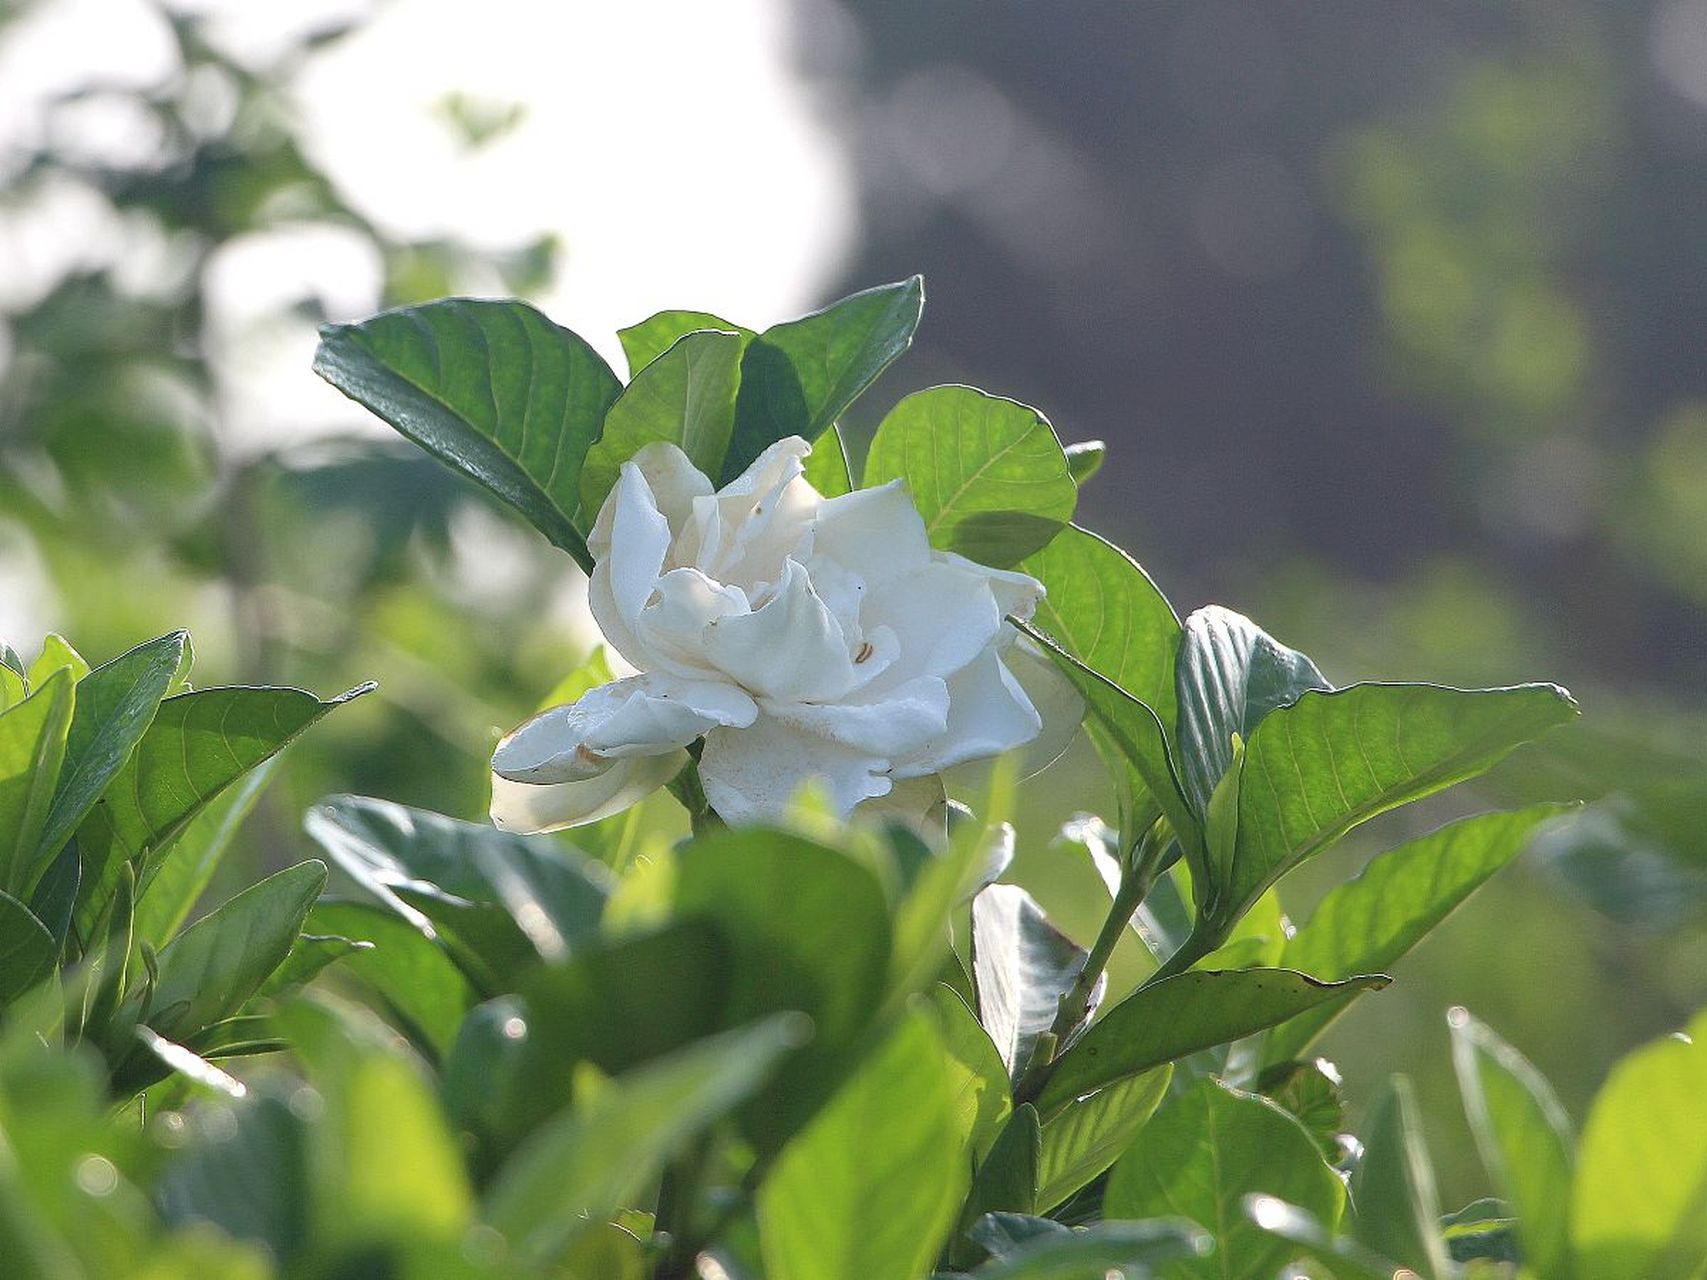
[(678, 1194), (690, 793), (1199, 943)]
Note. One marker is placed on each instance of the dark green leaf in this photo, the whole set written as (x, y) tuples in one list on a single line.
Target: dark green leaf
[(210, 969), (870, 1188), (599, 1157), (1202, 1155), (1524, 1138), (1398, 1212), (502, 901), (987, 474), (32, 749), (1006, 1180), (27, 950), (978, 1076), (1335, 1257), (116, 703), (1090, 1135), (246, 1173), (644, 342), (1134, 1249), (685, 397), (1021, 965), (417, 983), (1318, 768), (1367, 924), (797, 378), (492, 389), (1311, 1091), (309, 956), (199, 744), (1181, 1015)]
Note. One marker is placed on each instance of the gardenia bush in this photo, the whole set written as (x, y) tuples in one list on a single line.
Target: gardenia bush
[(822, 1037)]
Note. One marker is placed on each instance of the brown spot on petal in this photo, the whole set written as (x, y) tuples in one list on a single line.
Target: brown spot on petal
[(590, 757), (865, 651)]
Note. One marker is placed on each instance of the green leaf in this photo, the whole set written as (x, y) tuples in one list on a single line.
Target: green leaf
[(1398, 1211), (1639, 1198), (1021, 965), (418, 985), (1181, 1015), (32, 751), (1105, 1249), (28, 951), (797, 378), (1231, 674), (978, 1076), (116, 702), (310, 955), (56, 654), (1524, 1138), (1135, 731), (199, 744), (1104, 609), (501, 901), (1336, 1257), (236, 1150), (809, 930), (1091, 1134), (644, 342), (599, 1157), (869, 1189), (493, 390), (987, 474), (1085, 459), (1366, 924), (13, 687), (187, 864), (209, 970), (1202, 1155), (1318, 768), (827, 468), (1006, 1180), (685, 397)]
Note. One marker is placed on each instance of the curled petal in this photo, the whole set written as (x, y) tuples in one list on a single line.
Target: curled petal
[(789, 649), (1016, 593), (629, 542), (525, 806), (905, 720), (942, 616), (988, 713), (674, 481), (873, 533), (1058, 703), (643, 715)]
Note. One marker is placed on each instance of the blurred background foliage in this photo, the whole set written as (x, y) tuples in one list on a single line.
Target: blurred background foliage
[(1391, 318)]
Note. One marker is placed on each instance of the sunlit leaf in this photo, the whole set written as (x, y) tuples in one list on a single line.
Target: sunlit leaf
[(1398, 1211)]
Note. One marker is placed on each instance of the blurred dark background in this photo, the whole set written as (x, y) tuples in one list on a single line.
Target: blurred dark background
[(1390, 316)]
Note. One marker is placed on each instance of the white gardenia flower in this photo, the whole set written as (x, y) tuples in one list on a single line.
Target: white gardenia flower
[(806, 638)]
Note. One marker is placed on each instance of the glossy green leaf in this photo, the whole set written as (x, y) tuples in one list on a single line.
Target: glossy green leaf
[(501, 901), (978, 1077), (492, 389), (199, 744), (1638, 1197), (28, 951), (56, 654), (644, 342), (210, 969), (116, 702), (798, 377), (599, 1157), (1102, 608), (987, 474), (1182, 1015), (1366, 924), (1398, 1210), (1230, 675), (1318, 768), (1104, 1249), (1090, 1135), (1524, 1138), (1085, 459), (416, 983), (1021, 966), (685, 397), (1005, 1181), (827, 468), (1135, 731), (187, 863), (1202, 1155), (869, 1190), (32, 751)]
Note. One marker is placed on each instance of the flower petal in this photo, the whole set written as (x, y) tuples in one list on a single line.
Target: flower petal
[(643, 715), (629, 542), (672, 627), (750, 775), (525, 806), (988, 713), (1016, 593), (791, 649), (674, 481), (754, 523), (873, 533), (907, 718), (943, 615)]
